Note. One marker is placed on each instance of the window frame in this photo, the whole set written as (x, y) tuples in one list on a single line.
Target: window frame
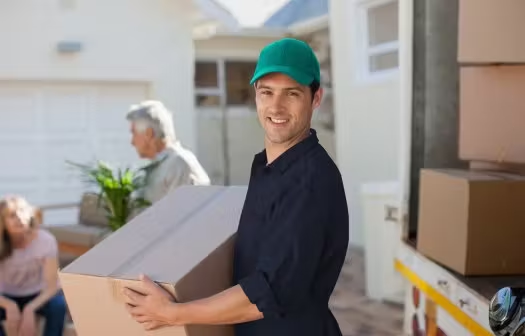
[(210, 91), (365, 52)]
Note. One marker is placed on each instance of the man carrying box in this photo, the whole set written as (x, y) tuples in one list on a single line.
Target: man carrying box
[(292, 237)]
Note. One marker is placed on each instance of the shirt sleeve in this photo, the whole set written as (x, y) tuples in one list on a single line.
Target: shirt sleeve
[(49, 245), (289, 261)]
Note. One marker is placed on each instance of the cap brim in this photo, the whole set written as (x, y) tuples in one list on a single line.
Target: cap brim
[(299, 77)]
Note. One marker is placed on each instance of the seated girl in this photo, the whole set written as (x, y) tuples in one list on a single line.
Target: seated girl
[(28, 272)]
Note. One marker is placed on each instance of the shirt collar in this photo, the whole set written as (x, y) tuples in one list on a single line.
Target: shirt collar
[(162, 154), (291, 155)]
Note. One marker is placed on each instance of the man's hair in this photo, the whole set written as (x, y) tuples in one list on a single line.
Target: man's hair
[(314, 87), (152, 114)]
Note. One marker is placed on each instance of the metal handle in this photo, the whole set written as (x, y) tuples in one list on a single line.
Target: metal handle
[(444, 286), (465, 303), (391, 213)]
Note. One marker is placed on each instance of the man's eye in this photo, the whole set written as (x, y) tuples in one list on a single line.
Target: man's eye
[(293, 94), (266, 92)]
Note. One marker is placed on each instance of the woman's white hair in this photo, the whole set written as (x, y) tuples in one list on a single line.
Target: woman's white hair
[(153, 114)]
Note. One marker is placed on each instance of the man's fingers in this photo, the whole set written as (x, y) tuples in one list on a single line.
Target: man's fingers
[(152, 325), (149, 285), (142, 319), (152, 287), (148, 325), (138, 314), (134, 310), (132, 297)]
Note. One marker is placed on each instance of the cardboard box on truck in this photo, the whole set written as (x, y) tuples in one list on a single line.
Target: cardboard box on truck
[(497, 167), (492, 114), (491, 31), (183, 242), (472, 222)]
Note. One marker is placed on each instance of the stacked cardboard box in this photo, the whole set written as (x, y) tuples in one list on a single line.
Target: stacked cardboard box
[(184, 243), (472, 221)]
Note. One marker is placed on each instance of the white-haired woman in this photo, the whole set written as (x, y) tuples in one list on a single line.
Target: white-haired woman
[(28, 272)]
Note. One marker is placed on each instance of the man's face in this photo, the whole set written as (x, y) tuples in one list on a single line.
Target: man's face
[(284, 107), (141, 141)]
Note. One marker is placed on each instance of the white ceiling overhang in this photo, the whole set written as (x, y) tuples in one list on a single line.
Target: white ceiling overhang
[(210, 16)]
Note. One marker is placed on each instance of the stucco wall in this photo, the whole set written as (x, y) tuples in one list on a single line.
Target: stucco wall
[(366, 117), (233, 47), (122, 40)]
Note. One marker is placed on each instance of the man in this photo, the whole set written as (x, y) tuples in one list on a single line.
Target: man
[(153, 137), (293, 232)]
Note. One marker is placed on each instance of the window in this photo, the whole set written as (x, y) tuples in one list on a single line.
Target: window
[(238, 88), (212, 78), (207, 90), (377, 37)]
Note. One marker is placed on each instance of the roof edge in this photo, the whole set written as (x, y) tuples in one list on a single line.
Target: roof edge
[(217, 13), (310, 25), (256, 32)]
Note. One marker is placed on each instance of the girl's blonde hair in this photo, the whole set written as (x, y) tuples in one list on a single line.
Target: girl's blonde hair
[(6, 246)]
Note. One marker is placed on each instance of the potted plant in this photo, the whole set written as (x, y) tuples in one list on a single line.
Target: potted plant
[(119, 190)]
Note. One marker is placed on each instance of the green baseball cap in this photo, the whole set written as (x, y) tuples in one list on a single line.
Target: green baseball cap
[(291, 57)]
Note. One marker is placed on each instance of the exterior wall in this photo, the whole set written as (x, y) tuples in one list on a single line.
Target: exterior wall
[(124, 41), (366, 116), (231, 47)]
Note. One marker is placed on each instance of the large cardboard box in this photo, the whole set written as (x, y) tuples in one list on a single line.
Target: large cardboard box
[(184, 242), (491, 31), (492, 114), (473, 222)]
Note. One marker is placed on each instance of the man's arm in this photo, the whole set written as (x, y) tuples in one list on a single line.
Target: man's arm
[(231, 306)]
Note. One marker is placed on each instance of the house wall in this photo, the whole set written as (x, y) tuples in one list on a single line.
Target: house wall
[(367, 116), (122, 41), (231, 47)]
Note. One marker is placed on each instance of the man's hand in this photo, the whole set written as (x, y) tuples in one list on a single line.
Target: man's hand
[(148, 304), (152, 325), (28, 323)]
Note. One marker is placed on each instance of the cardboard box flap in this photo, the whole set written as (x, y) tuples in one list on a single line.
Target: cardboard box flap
[(476, 175), (465, 175), (174, 229)]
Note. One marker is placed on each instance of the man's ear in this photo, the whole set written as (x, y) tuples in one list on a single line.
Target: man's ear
[(318, 98)]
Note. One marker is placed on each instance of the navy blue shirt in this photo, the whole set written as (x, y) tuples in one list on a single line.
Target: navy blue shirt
[(292, 242)]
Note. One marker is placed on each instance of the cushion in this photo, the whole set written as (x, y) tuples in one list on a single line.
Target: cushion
[(92, 213), (81, 235)]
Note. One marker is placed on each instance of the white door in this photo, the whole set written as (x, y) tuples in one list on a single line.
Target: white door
[(45, 124)]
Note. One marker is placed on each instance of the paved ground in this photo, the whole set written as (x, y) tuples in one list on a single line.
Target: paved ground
[(358, 315)]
